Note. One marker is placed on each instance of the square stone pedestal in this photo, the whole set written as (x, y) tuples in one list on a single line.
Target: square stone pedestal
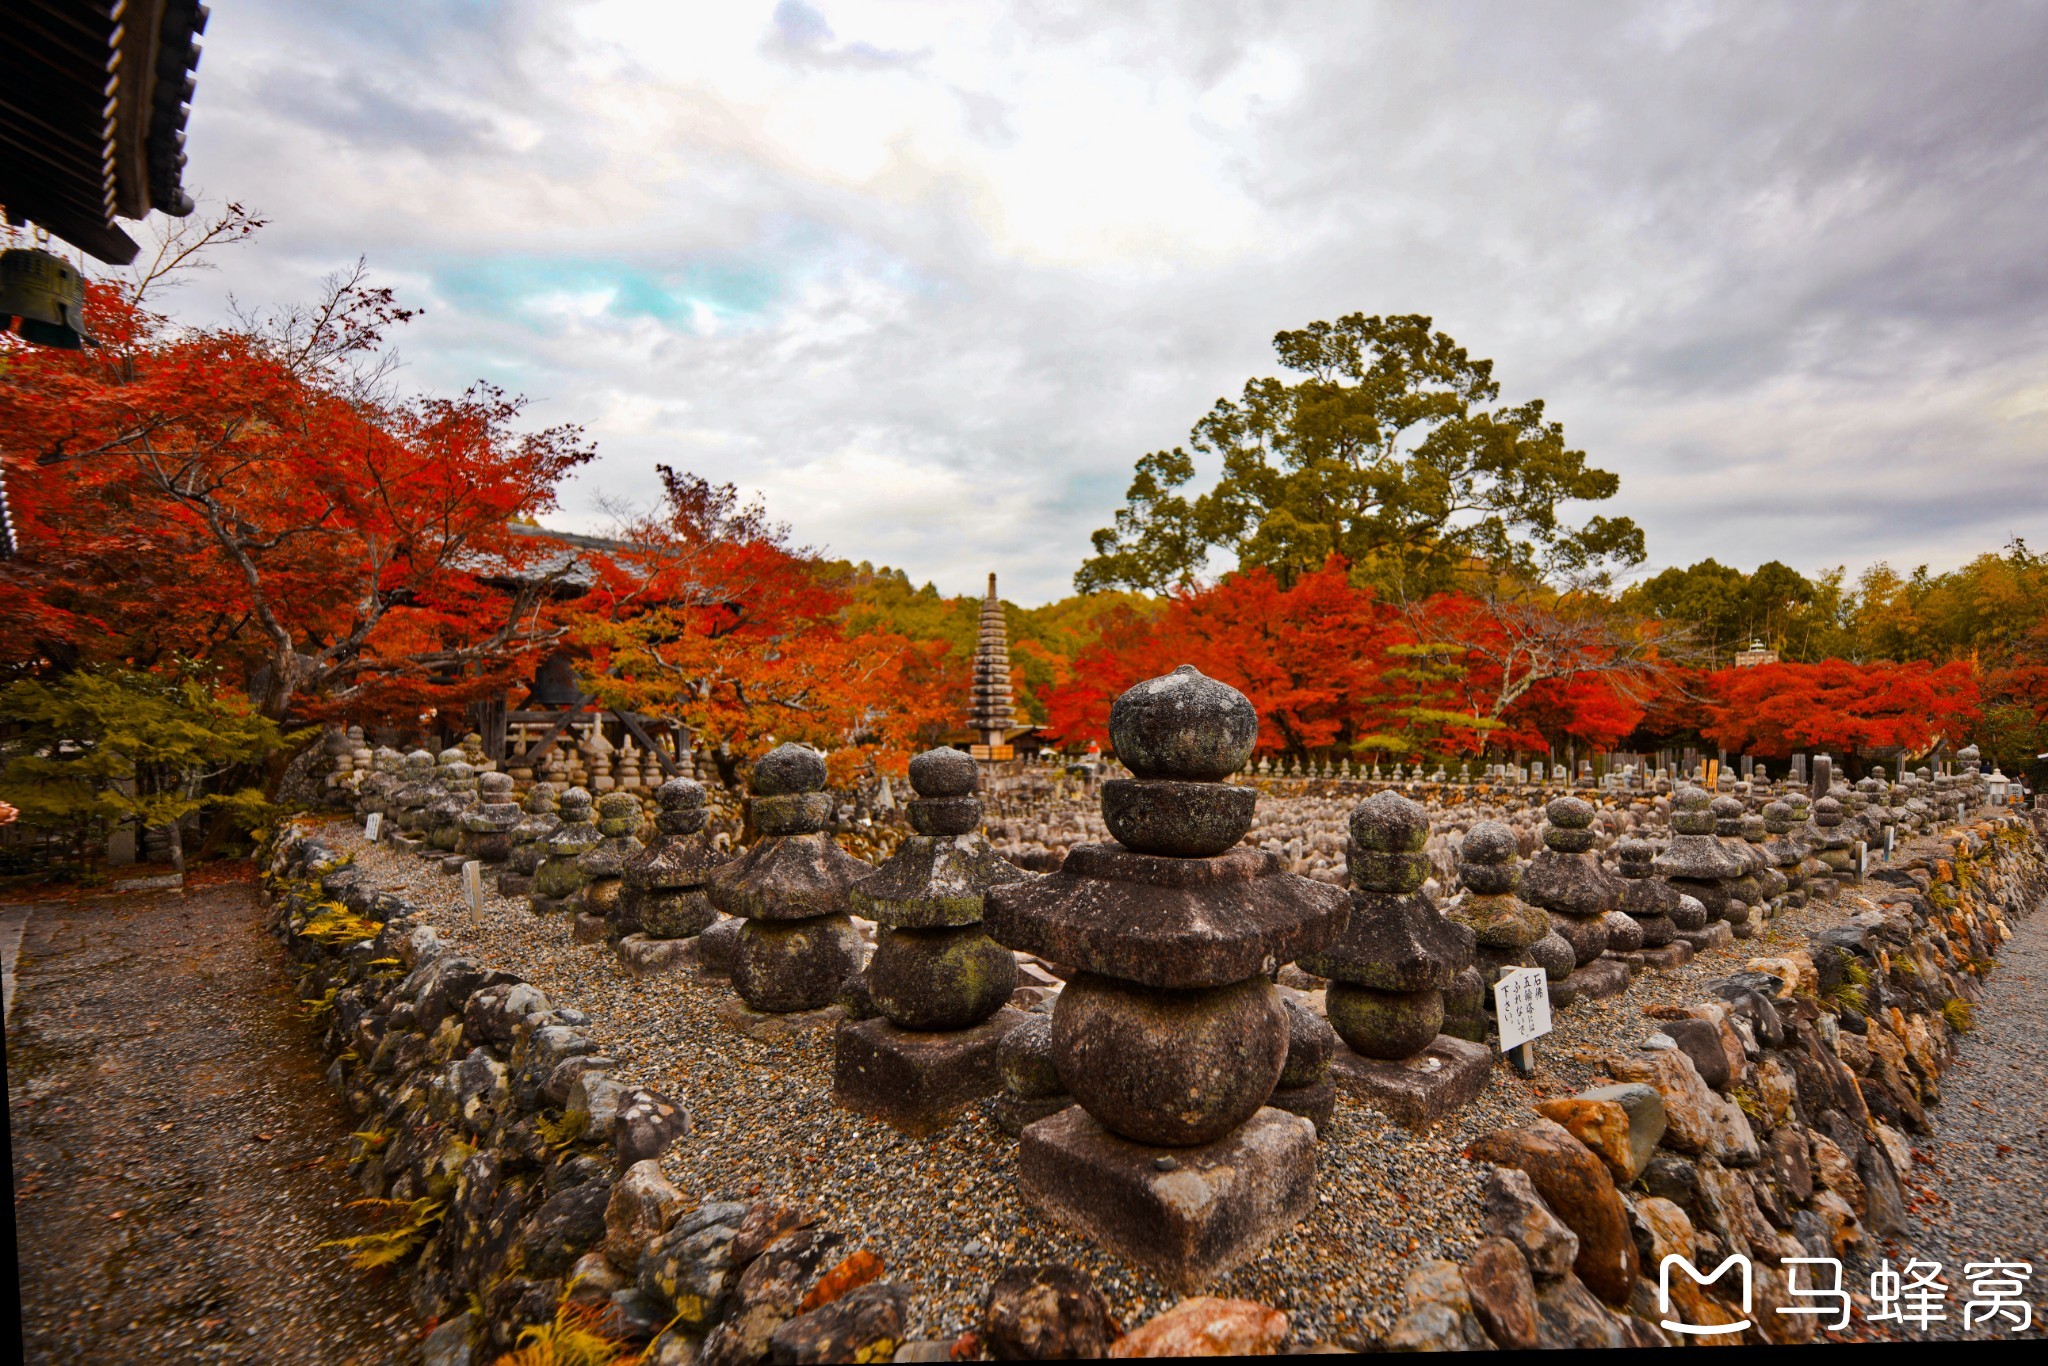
[(643, 956), (590, 929), (1215, 1208), (915, 1081), (742, 1018), (1417, 1091)]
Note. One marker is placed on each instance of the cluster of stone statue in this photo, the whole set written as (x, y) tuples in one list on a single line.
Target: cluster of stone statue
[(1169, 1100)]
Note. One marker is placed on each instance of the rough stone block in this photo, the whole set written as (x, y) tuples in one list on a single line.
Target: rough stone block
[(590, 929), (1600, 978), (1663, 958), (1315, 1102), (1014, 1114), (1417, 1091), (742, 1018), (1716, 934), (913, 1081), (1216, 1207)]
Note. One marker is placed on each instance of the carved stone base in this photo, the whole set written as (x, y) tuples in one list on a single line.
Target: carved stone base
[(514, 884), (590, 929), (643, 956), (1215, 1208), (742, 1018), (914, 1081), (1417, 1091)]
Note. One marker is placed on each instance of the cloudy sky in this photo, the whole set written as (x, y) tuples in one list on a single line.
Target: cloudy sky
[(930, 276)]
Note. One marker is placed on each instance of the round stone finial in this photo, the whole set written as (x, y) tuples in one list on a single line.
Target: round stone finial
[(495, 785), (788, 768), (1635, 857), (540, 799), (452, 755), (944, 772), (679, 794), (615, 806), (1489, 842), (1569, 813), (576, 803), (1389, 823), (1691, 799), (1183, 726)]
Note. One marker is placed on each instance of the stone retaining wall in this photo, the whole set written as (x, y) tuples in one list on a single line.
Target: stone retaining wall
[(518, 1172), (1769, 1120)]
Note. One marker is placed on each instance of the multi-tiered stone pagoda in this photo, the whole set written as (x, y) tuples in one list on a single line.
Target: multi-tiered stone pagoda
[(994, 710)]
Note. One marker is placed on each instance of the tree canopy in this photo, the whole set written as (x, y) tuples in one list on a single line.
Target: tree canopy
[(1391, 450)]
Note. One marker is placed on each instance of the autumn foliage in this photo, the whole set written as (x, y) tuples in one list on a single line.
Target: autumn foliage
[(1774, 709), (246, 496)]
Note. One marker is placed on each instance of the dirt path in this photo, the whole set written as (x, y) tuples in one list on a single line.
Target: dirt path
[(1985, 1196), (174, 1146)]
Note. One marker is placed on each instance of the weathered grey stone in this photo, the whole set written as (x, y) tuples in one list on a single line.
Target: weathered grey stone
[(1215, 1209), (1183, 726)]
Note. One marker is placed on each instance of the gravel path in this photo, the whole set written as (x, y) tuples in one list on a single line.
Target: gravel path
[(943, 1211), (174, 1146), (1985, 1194)]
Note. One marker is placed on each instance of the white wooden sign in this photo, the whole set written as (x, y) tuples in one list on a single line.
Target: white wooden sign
[(373, 825), (1521, 1005), (473, 885)]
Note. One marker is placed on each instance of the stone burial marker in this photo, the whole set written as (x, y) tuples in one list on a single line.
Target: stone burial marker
[(1170, 1035), (664, 906), (798, 945), (938, 980), (1388, 971)]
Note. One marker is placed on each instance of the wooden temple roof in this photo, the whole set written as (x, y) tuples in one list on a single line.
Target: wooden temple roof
[(94, 95)]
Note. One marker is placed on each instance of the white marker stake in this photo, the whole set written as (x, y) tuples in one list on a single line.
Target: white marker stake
[(1521, 1008), (373, 825), (1888, 831), (473, 883)]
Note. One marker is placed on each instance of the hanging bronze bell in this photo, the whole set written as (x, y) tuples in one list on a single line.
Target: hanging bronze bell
[(47, 294)]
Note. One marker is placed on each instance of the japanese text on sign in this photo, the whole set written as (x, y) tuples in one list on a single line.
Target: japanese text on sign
[(1521, 1003)]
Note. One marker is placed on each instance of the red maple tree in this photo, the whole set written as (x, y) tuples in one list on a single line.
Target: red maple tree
[(251, 496)]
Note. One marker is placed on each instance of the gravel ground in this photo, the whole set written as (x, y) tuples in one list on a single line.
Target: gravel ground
[(943, 1211), (1982, 1179), (174, 1147)]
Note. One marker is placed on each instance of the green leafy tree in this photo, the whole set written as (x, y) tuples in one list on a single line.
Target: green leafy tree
[(96, 748), (1721, 609), (1392, 450)]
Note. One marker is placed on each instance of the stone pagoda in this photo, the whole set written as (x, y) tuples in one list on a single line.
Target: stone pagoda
[(1170, 1035), (1389, 969), (940, 983), (487, 827), (993, 711), (1698, 866), (530, 840), (558, 880), (1565, 878), (798, 946), (664, 905)]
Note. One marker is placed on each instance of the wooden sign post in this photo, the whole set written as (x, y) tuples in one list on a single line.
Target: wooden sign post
[(1521, 1008), (473, 887)]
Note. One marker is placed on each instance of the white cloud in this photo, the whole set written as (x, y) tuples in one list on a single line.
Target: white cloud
[(931, 275)]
